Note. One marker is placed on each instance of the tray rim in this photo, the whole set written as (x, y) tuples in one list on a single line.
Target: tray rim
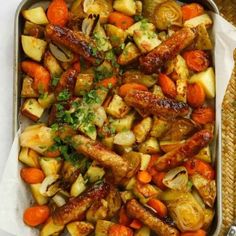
[(211, 5)]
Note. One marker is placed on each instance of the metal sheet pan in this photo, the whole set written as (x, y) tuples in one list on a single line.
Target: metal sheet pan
[(19, 56)]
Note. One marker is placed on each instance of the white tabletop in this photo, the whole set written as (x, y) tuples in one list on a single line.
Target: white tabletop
[(7, 12)]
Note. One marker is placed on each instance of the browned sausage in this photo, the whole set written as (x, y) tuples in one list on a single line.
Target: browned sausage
[(137, 211), (155, 59), (102, 155), (76, 41), (189, 149), (66, 82), (75, 208), (154, 105)]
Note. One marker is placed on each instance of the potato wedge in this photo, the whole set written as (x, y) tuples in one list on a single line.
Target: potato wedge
[(29, 157), (142, 129), (144, 231), (94, 173), (116, 35), (204, 19), (207, 80), (51, 63), (50, 228), (50, 166), (140, 25), (204, 155), (117, 107), (146, 40), (38, 197), (27, 90), (37, 137), (36, 15), (78, 186), (33, 47), (129, 54), (158, 91), (46, 100), (79, 228), (203, 41), (159, 127), (150, 146), (167, 146), (102, 227), (83, 83), (145, 159), (128, 7), (32, 109)]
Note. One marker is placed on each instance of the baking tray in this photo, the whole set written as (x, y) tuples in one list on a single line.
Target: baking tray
[(19, 56)]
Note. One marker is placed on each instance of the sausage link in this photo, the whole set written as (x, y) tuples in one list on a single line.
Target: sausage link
[(189, 149), (154, 105), (154, 60), (75, 208), (102, 155), (76, 41), (137, 211)]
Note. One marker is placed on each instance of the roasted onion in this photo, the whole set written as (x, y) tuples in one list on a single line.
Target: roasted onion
[(176, 178), (167, 14), (186, 212)]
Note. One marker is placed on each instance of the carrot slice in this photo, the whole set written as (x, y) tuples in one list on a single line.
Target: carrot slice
[(157, 179), (55, 153), (191, 10), (32, 175), (158, 206), (203, 115), (40, 75), (125, 88), (196, 166), (36, 215), (120, 20), (199, 232), (136, 224), (108, 82), (58, 13), (168, 86), (197, 60), (144, 177), (119, 230), (123, 217), (195, 95)]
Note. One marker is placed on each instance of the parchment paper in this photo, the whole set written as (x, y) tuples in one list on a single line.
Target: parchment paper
[(15, 196)]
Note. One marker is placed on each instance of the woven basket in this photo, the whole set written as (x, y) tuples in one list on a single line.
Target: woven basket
[(228, 10)]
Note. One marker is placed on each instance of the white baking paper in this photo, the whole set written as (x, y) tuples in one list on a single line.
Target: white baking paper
[(14, 194)]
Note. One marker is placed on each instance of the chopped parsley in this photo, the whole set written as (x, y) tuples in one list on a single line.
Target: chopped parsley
[(138, 18), (110, 56), (144, 25), (102, 73), (64, 95), (55, 80), (91, 97)]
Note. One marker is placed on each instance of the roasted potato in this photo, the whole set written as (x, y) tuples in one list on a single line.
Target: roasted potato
[(207, 80), (51, 229), (204, 155), (46, 100), (159, 127), (36, 15), (32, 109), (142, 129), (203, 41), (150, 146), (50, 166), (167, 146), (29, 157), (102, 227), (139, 26), (128, 7), (38, 197), (116, 35), (129, 54), (78, 186), (196, 21), (79, 228), (51, 63), (117, 107), (27, 90), (83, 83), (33, 47), (94, 173)]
